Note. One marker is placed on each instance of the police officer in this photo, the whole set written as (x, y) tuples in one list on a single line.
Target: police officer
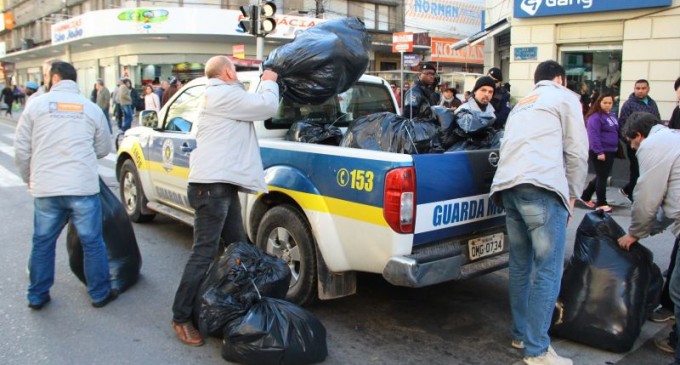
[(422, 95), (501, 98)]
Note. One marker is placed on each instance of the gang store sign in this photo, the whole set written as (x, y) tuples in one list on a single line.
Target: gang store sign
[(540, 8)]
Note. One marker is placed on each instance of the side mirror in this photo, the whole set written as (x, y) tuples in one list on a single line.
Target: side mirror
[(149, 118)]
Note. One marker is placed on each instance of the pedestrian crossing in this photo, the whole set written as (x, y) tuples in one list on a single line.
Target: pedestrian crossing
[(9, 174)]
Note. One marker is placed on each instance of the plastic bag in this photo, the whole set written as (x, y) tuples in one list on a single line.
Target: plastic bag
[(309, 132), (321, 62), (227, 290), (390, 132), (490, 139), (125, 260), (275, 332), (604, 292)]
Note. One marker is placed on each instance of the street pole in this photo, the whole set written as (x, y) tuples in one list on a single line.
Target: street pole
[(401, 83), (259, 47)]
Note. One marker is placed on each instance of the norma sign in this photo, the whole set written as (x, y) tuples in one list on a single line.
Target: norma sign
[(539, 8), (443, 52), (402, 42), (526, 53), (238, 50)]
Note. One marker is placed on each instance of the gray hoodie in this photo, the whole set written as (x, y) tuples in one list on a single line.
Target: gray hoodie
[(59, 137)]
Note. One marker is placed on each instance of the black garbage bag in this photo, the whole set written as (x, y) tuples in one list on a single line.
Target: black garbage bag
[(444, 116), (275, 332), (125, 260), (489, 139), (604, 292), (308, 131), (321, 62), (227, 290), (390, 132)]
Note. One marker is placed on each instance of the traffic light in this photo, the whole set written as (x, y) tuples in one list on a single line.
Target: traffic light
[(267, 20), (248, 23)]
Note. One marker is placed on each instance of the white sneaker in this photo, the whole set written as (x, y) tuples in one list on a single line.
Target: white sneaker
[(518, 344), (550, 357)]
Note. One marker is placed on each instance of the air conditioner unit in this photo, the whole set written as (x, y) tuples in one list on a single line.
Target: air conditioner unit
[(27, 43)]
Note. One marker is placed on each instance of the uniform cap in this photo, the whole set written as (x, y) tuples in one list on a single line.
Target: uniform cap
[(496, 73), (32, 85)]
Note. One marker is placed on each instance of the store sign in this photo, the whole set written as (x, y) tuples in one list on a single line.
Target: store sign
[(155, 21), (526, 53), (412, 59), (455, 17), (238, 50), (443, 52), (402, 42), (539, 8)]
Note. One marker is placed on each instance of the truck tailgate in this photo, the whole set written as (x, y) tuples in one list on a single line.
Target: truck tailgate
[(452, 194)]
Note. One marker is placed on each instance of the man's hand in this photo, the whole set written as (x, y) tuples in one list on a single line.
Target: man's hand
[(571, 208), (601, 157), (269, 75), (626, 241)]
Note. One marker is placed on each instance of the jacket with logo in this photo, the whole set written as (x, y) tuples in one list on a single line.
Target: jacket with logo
[(545, 144), (59, 137)]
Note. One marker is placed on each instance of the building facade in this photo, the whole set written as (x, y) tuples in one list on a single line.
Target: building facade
[(604, 45)]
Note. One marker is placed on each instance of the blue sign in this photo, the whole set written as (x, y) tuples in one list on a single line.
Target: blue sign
[(526, 53), (539, 8)]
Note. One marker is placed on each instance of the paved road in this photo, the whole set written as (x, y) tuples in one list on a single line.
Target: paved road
[(463, 323)]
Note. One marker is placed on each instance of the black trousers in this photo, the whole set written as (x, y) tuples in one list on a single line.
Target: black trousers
[(598, 185), (634, 172)]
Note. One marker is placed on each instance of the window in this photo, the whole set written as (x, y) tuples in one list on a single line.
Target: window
[(593, 72), (362, 99), (375, 16), (184, 110)]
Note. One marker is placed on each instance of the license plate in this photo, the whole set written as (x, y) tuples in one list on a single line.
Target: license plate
[(485, 246)]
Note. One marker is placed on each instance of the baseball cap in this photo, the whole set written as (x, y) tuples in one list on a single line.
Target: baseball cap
[(32, 85)]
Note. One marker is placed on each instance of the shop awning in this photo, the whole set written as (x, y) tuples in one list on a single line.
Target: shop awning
[(490, 31)]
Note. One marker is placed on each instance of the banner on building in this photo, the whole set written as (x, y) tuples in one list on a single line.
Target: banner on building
[(402, 42), (455, 17), (539, 8), (443, 52)]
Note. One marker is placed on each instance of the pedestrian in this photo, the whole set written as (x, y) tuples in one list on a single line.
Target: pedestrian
[(117, 110), (58, 140), (674, 122), (658, 152), (218, 172), (31, 88), (103, 100), (543, 164), (173, 87), (603, 142), (125, 101), (638, 101), (151, 101), (501, 98), (449, 99), (161, 89), (466, 95), (8, 98), (419, 98), (397, 93)]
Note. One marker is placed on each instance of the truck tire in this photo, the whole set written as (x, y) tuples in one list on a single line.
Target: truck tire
[(132, 194), (284, 233)]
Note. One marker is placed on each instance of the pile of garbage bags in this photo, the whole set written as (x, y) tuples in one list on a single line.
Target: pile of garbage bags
[(125, 260), (463, 129), (607, 292), (308, 131), (241, 300), (321, 62)]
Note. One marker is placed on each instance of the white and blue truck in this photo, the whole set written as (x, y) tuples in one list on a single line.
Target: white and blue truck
[(331, 211)]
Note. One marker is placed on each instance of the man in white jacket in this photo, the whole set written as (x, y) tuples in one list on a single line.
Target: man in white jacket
[(227, 160), (658, 153), (542, 168), (59, 138)]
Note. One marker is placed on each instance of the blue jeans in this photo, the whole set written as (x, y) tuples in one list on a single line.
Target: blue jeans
[(108, 119), (536, 221), (217, 215), (127, 117), (674, 289), (50, 216)]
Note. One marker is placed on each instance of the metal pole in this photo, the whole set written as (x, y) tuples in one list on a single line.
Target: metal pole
[(260, 47), (401, 84)]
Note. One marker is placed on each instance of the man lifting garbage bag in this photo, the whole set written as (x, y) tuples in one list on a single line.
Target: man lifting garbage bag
[(321, 62), (125, 260), (605, 289)]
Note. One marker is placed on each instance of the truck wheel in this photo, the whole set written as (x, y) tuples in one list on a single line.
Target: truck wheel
[(131, 193), (283, 232)]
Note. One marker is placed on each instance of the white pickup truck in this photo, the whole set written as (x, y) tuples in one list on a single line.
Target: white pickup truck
[(331, 211)]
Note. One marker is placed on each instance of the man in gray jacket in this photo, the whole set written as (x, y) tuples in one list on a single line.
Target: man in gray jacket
[(541, 171), (59, 138), (227, 160), (658, 152), (104, 100)]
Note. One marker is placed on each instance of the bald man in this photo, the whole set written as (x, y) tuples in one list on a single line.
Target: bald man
[(46, 66), (227, 161)]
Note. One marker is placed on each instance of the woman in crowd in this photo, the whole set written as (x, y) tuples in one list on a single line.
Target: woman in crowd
[(151, 100), (603, 141)]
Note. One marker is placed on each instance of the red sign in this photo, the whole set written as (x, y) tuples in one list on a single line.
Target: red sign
[(238, 50), (402, 42), (442, 52)]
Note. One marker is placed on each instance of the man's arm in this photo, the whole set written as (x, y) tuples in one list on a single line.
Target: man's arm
[(23, 148), (650, 189), (102, 136), (575, 146)]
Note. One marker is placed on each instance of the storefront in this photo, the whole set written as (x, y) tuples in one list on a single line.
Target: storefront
[(605, 46)]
